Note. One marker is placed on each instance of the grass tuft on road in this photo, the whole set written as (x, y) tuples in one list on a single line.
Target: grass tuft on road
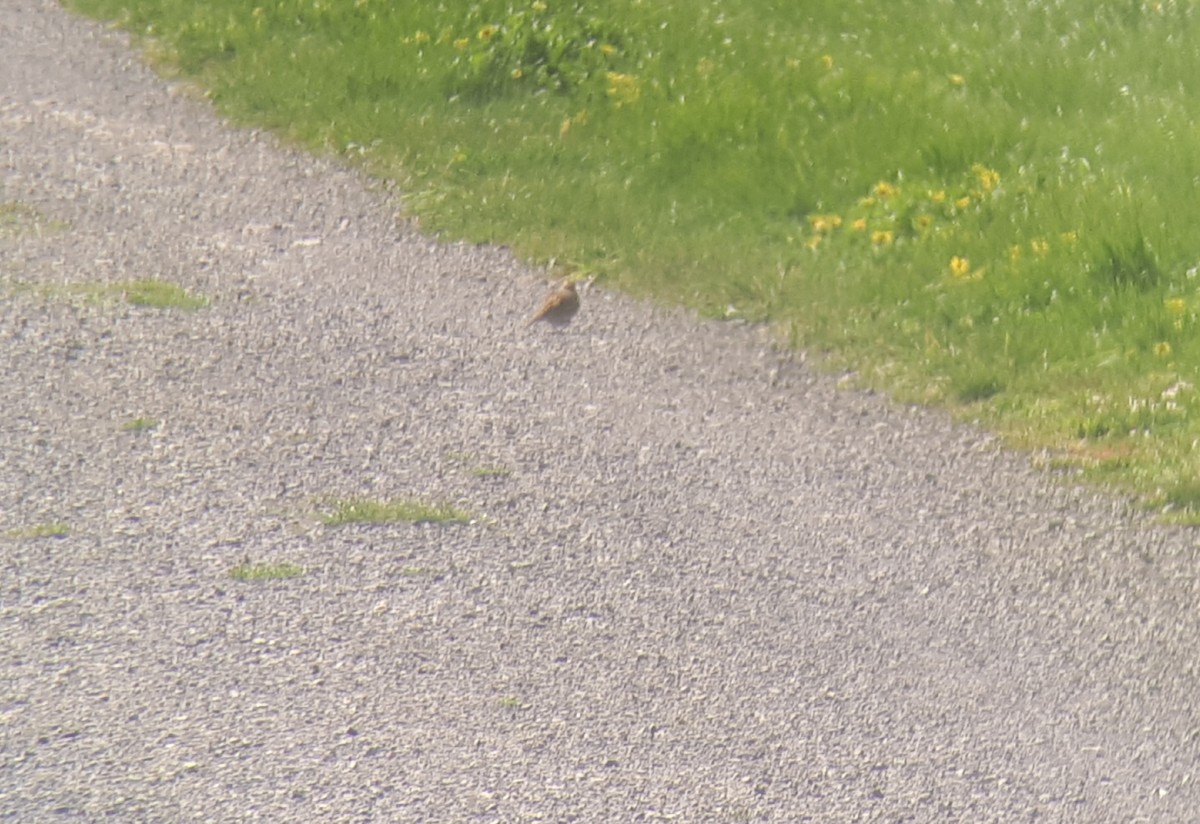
[(247, 571), (52, 529), (18, 218), (985, 206), (366, 511), (150, 293)]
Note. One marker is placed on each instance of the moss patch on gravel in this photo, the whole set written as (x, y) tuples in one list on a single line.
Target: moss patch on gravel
[(52, 529), (151, 293), (158, 294), (139, 424), (403, 510), (18, 218), (247, 571)]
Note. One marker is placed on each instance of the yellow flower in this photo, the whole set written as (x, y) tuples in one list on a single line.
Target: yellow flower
[(538, 6), (882, 237), (859, 225), (1070, 238), (866, 202), (461, 43), (937, 196), (517, 73), (1176, 307), (1014, 252), (1040, 247), (623, 88), (1162, 349), (963, 202), (814, 242), (988, 178), (420, 38), (825, 223), (960, 267), (607, 49), (923, 222), (487, 33), (957, 80), (884, 190), (565, 128), (827, 61)]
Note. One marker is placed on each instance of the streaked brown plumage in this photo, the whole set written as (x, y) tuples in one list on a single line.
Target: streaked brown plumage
[(559, 306)]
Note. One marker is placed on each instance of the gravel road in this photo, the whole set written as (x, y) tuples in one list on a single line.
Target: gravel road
[(704, 585)]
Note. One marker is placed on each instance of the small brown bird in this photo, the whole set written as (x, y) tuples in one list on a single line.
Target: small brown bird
[(559, 306)]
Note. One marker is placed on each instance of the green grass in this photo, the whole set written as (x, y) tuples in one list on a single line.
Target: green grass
[(158, 294), (55, 529), (139, 424), (365, 511), (18, 218), (986, 206), (247, 571), (152, 293)]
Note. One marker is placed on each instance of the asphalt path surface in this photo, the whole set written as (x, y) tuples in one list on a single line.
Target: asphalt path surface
[(701, 583)]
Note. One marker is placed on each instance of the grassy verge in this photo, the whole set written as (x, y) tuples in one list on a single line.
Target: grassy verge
[(985, 206)]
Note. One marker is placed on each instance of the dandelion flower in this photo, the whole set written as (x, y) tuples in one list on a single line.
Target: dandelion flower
[(814, 242), (1014, 252), (827, 61), (623, 88), (1040, 247), (462, 43), (884, 190), (825, 223), (487, 33), (607, 49), (1177, 308), (1162, 349), (937, 196), (963, 202), (960, 267), (421, 38), (989, 179), (859, 225), (882, 237), (957, 80), (517, 73), (923, 222)]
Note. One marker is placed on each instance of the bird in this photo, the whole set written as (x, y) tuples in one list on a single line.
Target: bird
[(559, 307)]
